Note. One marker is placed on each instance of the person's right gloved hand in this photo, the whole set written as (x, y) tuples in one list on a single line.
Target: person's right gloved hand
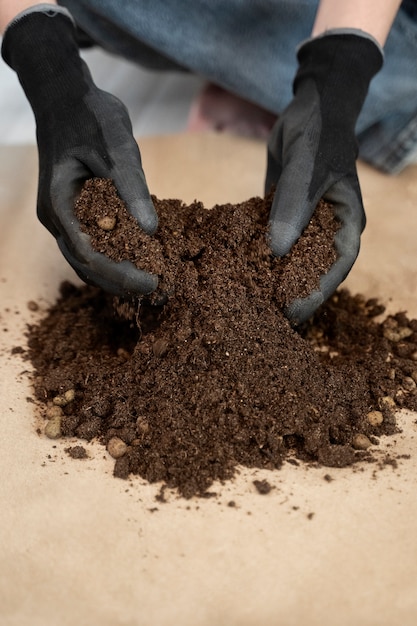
[(82, 132)]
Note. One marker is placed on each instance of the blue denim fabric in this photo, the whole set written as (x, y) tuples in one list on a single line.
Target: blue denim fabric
[(249, 48)]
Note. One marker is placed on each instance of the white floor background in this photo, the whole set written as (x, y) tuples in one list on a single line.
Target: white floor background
[(158, 103)]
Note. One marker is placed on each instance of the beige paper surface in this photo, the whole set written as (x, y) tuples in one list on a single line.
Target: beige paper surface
[(80, 547)]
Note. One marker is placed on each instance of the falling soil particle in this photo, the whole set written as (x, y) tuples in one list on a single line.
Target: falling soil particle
[(217, 377)]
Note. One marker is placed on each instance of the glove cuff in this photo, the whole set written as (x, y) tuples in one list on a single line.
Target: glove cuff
[(343, 31), (45, 7), (35, 33), (341, 64), (40, 45)]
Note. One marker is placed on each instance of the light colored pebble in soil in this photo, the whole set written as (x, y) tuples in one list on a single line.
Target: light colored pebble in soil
[(361, 442), (142, 425), (69, 395), (387, 402), (122, 353), (53, 411), (397, 334), (106, 223), (116, 447), (160, 347), (53, 428), (375, 418), (64, 399), (409, 384)]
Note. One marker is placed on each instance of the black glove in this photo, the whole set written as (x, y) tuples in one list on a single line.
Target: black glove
[(82, 132), (312, 152)]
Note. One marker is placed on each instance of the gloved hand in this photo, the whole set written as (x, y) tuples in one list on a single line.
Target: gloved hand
[(82, 132), (312, 152)]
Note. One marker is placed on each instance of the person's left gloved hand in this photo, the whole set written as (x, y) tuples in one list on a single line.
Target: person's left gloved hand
[(312, 153)]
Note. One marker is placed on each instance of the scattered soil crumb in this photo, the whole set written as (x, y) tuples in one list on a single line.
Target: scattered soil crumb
[(388, 461), (213, 376), (263, 486), (161, 495), (32, 305), (17, 350), (77, 452)]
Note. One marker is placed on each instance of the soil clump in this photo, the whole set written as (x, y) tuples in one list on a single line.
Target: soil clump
[(216, 377)]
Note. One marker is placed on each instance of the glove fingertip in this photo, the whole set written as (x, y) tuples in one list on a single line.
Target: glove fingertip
[(147, 284), (282, 237), (301, 309), (144, 212)]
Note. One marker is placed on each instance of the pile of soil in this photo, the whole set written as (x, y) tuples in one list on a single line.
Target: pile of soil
[(184, 392)]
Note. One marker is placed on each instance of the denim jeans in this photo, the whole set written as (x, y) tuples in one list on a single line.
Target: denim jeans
[(249, 48)]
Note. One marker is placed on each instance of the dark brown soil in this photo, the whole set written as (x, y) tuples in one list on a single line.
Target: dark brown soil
[(217, 377)]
